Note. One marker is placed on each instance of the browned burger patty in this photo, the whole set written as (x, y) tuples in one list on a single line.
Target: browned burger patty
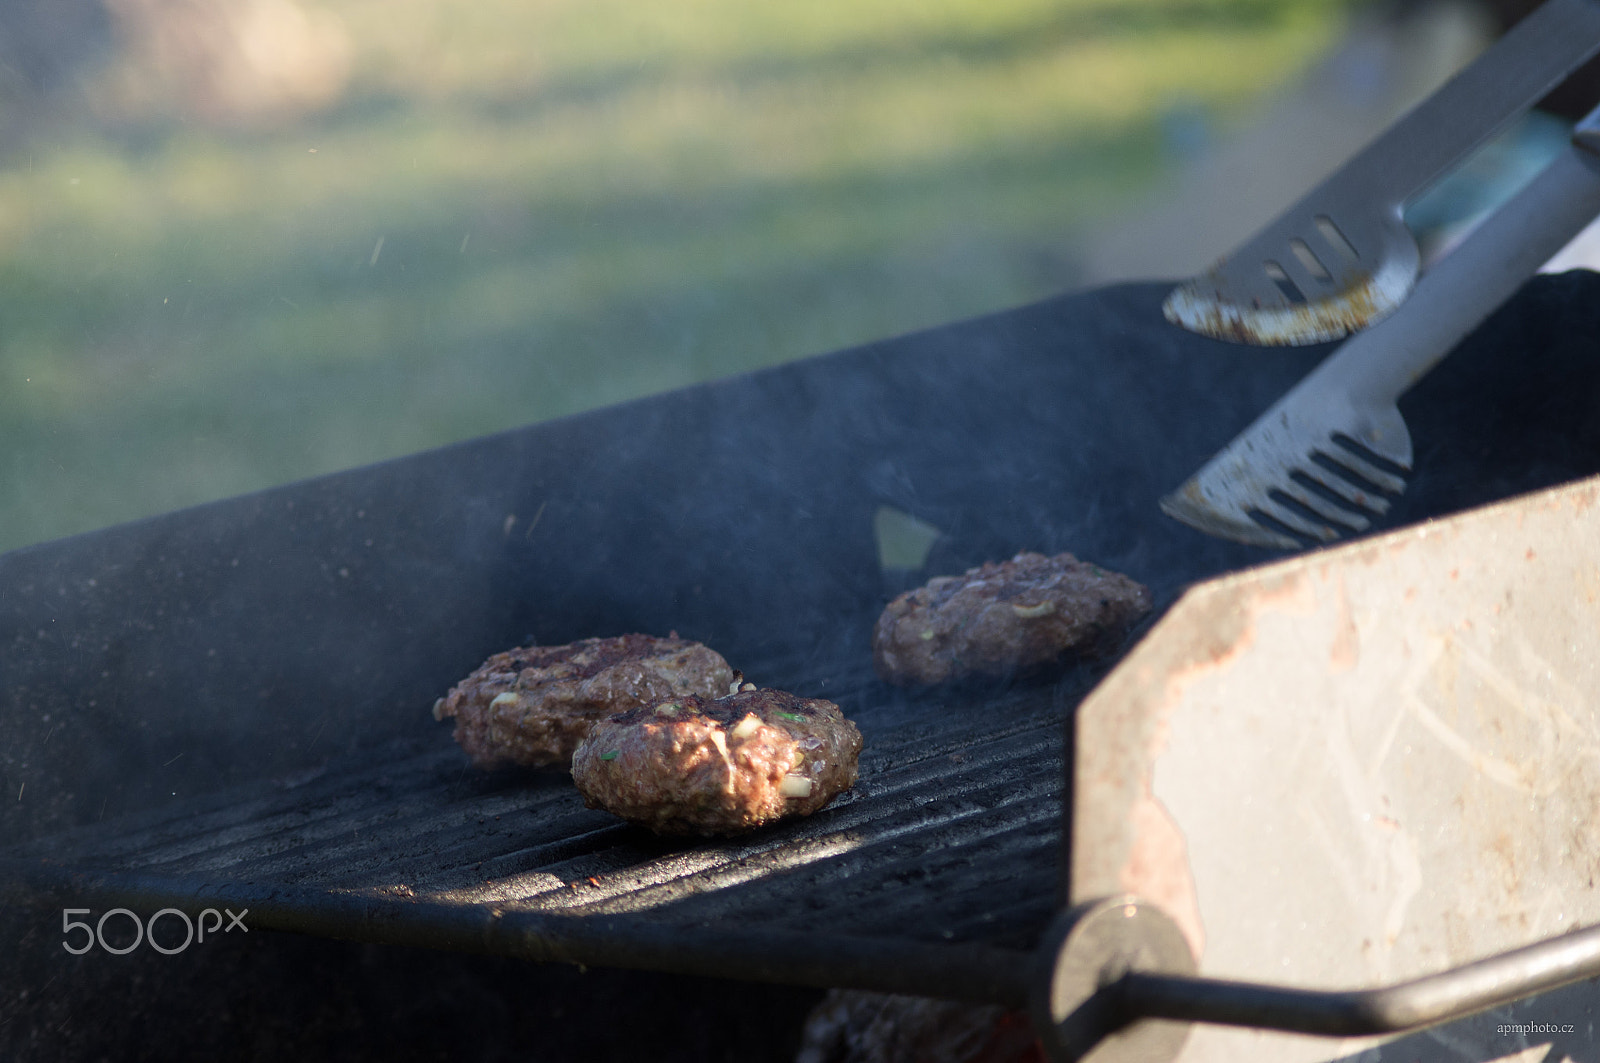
[(533, 705), (1004, 617), (700, 765)]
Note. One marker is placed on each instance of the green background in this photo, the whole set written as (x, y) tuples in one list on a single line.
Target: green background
[(578, 202)]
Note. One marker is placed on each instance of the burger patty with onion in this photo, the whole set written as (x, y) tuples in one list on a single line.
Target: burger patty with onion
[(700, 765), (1004, 617), (532, 706)]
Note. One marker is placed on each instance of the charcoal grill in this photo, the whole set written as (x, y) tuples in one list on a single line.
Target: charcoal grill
[(228, 706)]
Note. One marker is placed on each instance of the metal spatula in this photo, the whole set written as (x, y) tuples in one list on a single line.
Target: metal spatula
[(1331, 454), (1341, 258)]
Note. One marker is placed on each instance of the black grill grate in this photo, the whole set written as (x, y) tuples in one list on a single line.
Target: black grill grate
[(950, 835), (229, 705)]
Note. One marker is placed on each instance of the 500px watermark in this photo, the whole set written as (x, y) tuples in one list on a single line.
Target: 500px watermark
[(194, 930)]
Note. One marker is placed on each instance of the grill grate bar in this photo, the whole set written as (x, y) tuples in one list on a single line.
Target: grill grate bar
[(943, 883), (627, 859), (464, 865), (944, 886), (949, 787), (245, 812), (280, 841), (347, 851), (414, 826), (1000, 923), (316, 834), (643, 886)]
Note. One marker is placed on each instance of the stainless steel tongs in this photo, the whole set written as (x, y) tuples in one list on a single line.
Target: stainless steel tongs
[(1342, 258), (1331, 454)]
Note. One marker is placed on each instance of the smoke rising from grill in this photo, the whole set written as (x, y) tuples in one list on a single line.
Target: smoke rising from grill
[(279, 643)]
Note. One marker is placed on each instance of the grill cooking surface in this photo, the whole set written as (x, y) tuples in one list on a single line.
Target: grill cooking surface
[(230, 704), (950, 834)]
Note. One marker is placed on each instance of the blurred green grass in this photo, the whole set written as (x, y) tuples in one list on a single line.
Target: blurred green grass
[(521, 210)]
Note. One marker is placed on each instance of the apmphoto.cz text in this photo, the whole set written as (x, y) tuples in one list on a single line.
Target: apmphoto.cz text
[(1533, 1027)]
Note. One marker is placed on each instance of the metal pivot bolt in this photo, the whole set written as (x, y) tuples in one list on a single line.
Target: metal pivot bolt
[(1077, 1001)]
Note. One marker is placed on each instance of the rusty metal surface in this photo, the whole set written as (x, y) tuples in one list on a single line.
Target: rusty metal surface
[(1365, 765), (1359, 297)]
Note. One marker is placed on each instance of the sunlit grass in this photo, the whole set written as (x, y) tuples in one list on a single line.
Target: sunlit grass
[(578, 203)]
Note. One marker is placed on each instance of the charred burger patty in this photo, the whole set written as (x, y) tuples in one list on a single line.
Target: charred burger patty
[(1004, 617), (698, 765), (533, 705)]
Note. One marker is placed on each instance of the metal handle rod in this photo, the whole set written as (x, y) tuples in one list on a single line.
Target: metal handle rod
[(1458, 293), (1532, 58), (956, 971), (1426, 1001)]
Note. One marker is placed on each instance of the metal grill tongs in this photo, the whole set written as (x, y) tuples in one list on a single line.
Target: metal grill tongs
[(1329, 457)]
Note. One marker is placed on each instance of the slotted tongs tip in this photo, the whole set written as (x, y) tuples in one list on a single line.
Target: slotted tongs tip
[(1203, 305)]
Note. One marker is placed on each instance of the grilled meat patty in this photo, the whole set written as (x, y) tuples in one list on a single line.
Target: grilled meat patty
[(698, 765), (1004, 617), (533, 705)]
